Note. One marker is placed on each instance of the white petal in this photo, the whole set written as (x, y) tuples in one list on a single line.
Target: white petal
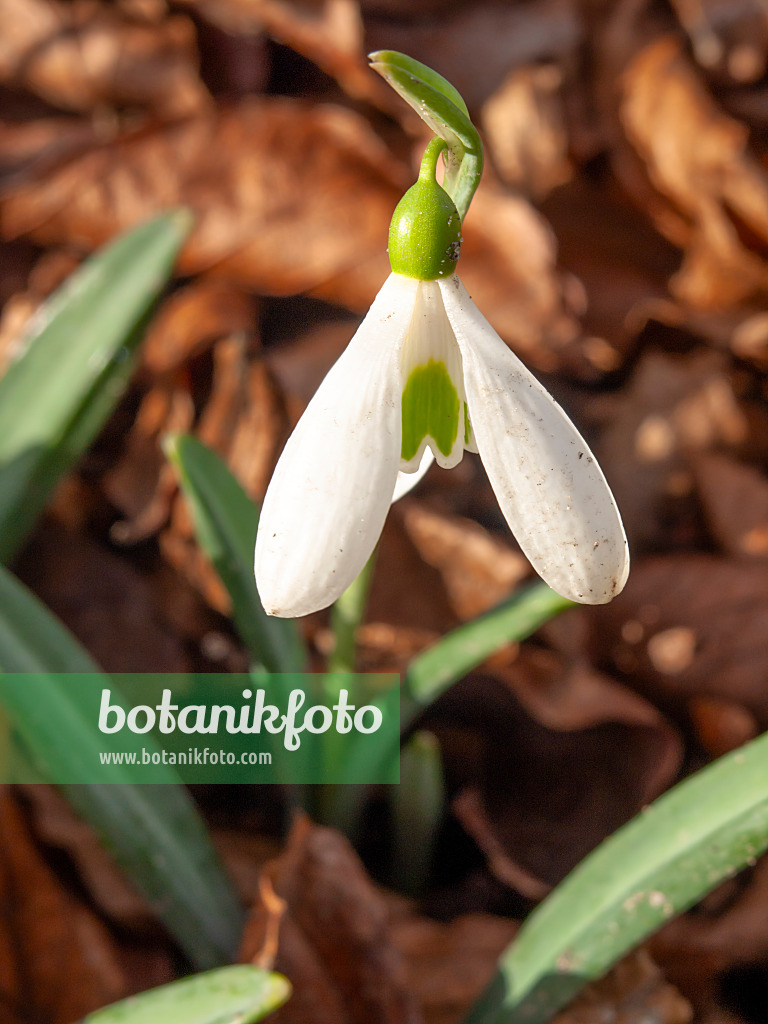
[(330, 493), (407, 481), (547, 482), (432, 412)]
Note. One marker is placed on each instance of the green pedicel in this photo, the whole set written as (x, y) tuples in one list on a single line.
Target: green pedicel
[(430, 408), (425, 234)]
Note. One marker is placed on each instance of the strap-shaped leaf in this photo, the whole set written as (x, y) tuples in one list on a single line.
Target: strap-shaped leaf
[(154, 832), (464, 648), (75, 362), (225, 521), (232, 995), (701, 832)]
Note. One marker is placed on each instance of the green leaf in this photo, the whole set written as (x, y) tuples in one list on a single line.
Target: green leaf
[(418, 806), (458, 652), (232, 995), (225, 522), (703, 831), (387, 61), (76, 361), (441, 106), (154, 832)]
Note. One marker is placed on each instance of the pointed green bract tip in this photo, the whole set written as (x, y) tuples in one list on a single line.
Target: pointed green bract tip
[(425, 234)]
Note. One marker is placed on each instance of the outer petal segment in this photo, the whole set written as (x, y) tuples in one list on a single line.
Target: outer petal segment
[(547, 482), (330, 493)]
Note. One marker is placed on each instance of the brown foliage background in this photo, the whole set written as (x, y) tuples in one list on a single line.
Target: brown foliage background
[(618, 243)]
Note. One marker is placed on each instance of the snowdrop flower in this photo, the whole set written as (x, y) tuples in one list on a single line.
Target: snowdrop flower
[(426, 373)]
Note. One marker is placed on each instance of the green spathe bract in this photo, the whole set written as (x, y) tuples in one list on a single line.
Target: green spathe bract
[(425, 234), (430, 408)]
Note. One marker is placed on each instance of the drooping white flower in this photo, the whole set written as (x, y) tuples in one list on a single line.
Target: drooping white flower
[(427, 372), (426, 358)]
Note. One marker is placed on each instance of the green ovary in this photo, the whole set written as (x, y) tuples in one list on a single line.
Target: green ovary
[(430, 407)]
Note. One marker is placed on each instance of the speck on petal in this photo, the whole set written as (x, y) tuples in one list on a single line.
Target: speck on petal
[(548, 484), (330, 493)]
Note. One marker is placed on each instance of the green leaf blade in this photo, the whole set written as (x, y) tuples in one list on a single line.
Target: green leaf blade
[(226, 521), (464, 648), (76, 361), (701, 832), (153, 831), (231, 995), (443, 109)]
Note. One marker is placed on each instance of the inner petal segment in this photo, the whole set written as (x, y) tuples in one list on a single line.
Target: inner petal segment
[(434, 411)]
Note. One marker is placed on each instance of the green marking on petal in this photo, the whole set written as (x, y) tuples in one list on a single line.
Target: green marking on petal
[(467, 428), (430, 407)]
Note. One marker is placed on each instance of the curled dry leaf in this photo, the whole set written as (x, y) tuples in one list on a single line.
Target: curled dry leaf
[(525, 130), (406, 591), (478, 45), (192, 319), (242, 421), (730, 930), (728, 38), (721, 724), (702, 181), (449, 964), (252, 174), (59, 827), (109, 604), (674, 408), (634, 992), (141, 484), (577, 778), (243, 417), (329, 33), (83, 55), (57, 961), (478, 569), (689, 625), (734, 497), (321, 922), (620, 261)]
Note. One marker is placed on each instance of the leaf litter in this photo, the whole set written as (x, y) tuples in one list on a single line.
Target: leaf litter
[(619, 245)]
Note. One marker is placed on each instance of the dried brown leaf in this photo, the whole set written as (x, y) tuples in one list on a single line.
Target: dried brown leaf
[(82, 55), (574, 783), (634, 992), (721, 725), (287, 195), (449, 964), (57, 962), (192, 319), (674, 408), (688, 625), (478, 45), (729, 38), (321, 923), (734, 497), (478, 569), (525, 130), (142, 484), (696, 949), (329, 33), (706, 181), (110, 605)]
